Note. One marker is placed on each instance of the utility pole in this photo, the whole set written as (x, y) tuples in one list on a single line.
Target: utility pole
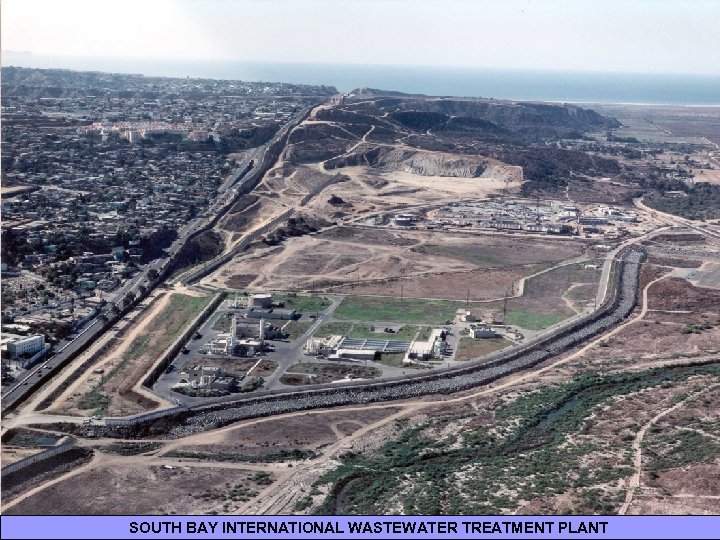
[(505, 300), (467, 299)]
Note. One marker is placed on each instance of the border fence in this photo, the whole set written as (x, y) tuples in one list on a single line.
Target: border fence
[(41, 456)]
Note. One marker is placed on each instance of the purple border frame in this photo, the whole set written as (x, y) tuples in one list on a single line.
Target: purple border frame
[(340, 528)]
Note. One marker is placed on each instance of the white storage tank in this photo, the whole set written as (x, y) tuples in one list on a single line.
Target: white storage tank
[(261, 301)]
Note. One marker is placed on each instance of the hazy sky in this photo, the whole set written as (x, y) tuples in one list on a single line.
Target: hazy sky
[(642, 36)]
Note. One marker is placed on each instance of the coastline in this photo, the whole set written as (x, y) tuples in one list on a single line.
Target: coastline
[(633, 104), (472, 83)]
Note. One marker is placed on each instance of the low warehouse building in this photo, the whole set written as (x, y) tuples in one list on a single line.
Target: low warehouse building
[(276, 313), (483, 331), (434, 347), (355, 354)]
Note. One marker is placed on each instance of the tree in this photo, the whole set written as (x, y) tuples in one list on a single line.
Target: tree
[(128, 300)]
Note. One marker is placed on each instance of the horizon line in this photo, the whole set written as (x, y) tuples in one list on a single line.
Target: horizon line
[(211, 61)]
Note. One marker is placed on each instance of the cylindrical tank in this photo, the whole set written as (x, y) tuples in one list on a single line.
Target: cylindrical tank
[(261, 301)]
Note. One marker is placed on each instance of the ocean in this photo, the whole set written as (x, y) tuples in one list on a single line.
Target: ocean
[(528, 85)]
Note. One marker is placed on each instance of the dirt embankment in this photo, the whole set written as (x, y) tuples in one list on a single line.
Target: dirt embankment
[(425, 163)]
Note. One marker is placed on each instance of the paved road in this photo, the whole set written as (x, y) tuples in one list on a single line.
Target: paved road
[(678, 221), (24, 387)]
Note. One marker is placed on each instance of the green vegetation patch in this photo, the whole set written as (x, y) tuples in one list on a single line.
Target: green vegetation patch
[(303, 503), (236, 493), (279, 455), (396, 360), (131, 448), (696, 328), (163, 329), (364, 331), (582, 293), (333, 329), (678, 448), (26, 437), (392, 309), (532, 321), (94, 399), (698, 201), (470, 348), (303, 304), (295, 329), (262, 478), (534, 449), (542, 303)]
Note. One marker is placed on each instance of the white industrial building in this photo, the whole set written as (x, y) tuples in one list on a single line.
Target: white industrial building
[(355, 354), (211, 377), (229, 344), (19, 345), (434, 347), (483, 331), (322, 346)]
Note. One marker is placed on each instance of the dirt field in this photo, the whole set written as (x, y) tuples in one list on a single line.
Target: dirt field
[(318, 373), (123, 489), (682, 321), (547, 298), (470, 348), (247, 217), (272, 439), (11, 454), (427, 264), (409, 177), (708, 275)]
